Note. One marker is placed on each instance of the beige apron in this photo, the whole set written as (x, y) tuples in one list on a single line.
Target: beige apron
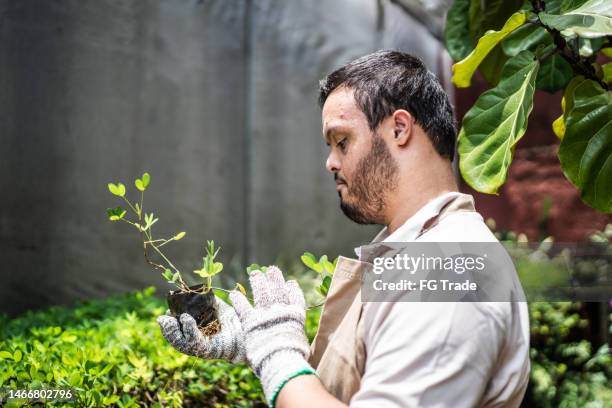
[(338, 352)]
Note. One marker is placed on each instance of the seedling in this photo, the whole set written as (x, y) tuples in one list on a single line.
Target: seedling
[(197, 300)]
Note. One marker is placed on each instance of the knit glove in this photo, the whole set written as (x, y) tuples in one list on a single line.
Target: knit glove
[(185, 336), (276, 344)]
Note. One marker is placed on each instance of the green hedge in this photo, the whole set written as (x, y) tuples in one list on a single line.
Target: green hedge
[(566, 370), (112, 352)]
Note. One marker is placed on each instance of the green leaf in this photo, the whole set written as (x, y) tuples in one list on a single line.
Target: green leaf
[(495, 123), (146, 179), (526, 37), (567, 104), (217, 267), (97, 397), (17, 355), (201, 272), (553, 6), (327, 281), (115, 214), (75, 379), (586, 150), (5, 354), (593, 19), (113, 189), (241, 288), (253, 267), (310, 261), (117, 189), (167, 274), (456, 33), (328, 266), (179, 235), (568, 5), (110, 399), (464, 70), (324, 287), (139, 185), (105, 370), (554, 74), (175, 277), (607, 73)]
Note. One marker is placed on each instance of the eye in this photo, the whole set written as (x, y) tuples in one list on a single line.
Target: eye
[(342, 144)]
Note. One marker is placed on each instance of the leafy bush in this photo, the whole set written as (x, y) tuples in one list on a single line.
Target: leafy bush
[(565, 370), (112, 353)]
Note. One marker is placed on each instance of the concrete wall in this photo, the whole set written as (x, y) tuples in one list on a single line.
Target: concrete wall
[(216, 99)]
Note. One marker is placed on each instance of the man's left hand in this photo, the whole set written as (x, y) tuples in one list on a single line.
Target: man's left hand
[(276, 343)]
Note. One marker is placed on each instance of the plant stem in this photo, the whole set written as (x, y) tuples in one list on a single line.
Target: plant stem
[(155, 240), (141, 201), (569, 53), (171, 265), (131, 206), (165, 242), (548, 54)]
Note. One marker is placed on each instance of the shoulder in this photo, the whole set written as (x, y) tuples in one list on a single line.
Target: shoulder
[(460, 226)]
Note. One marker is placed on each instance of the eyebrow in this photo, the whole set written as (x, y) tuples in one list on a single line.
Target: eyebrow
[(334, 129)]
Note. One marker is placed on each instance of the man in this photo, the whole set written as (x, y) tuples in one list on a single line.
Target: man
[(391, 134)]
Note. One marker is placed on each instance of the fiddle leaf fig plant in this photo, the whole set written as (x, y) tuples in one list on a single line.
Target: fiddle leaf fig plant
[(522, 46)]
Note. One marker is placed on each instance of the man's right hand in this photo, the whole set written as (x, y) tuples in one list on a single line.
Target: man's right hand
[(228, 344)]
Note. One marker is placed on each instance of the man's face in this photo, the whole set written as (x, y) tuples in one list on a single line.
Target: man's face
[(364, 169)]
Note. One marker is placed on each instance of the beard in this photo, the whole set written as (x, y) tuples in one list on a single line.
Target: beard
[(375, 176)]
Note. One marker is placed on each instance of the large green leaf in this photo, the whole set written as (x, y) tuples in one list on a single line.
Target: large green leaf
[(567, 104), (456, 33), (464, 70), (586, 150), (554, 74), (568, 5), (552, 6), (607, 73), (591, 20), (495, 123), (526, 37)]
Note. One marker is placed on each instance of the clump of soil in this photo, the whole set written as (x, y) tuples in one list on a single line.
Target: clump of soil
[(201, 306)]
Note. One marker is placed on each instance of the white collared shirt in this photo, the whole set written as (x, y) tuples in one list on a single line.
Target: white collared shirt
[(444, 354)]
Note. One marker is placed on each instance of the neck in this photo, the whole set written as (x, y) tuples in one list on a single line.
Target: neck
[(407, 202)]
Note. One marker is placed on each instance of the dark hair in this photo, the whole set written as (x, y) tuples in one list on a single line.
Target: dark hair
[(385, 81)]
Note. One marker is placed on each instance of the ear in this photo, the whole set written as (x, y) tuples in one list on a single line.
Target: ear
[(403, 123)]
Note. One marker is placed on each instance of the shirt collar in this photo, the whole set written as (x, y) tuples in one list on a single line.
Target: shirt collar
[(411, 228)]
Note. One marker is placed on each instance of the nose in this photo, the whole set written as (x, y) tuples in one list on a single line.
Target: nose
[(332, 164)]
